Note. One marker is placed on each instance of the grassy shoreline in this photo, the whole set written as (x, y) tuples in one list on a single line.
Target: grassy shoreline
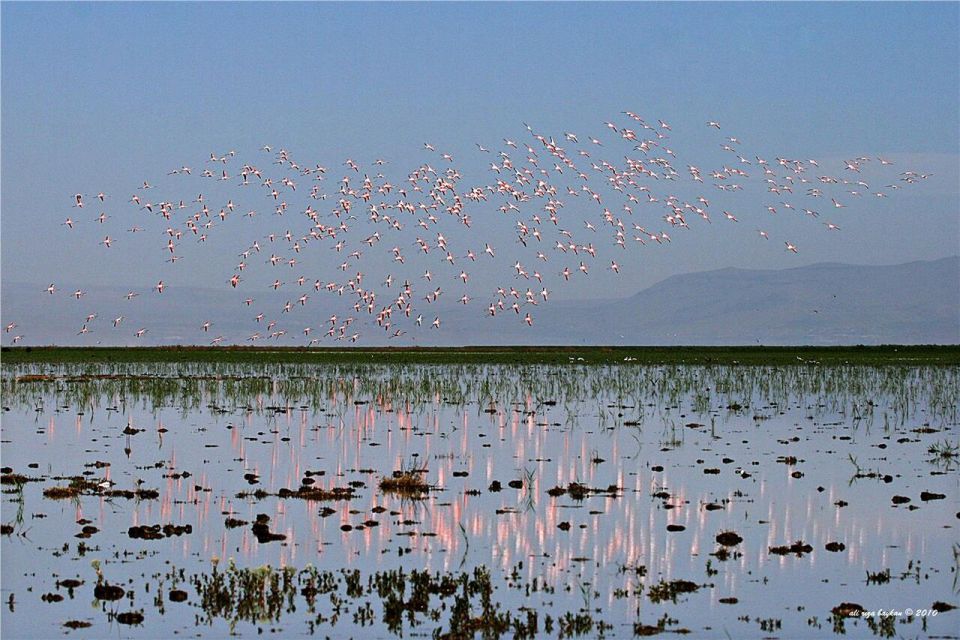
[(929, 355)]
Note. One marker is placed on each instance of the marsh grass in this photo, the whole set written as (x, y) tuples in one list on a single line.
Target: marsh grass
[(74, 490), (407, 481), (456, 605), (558, 397), (277, 388), (944, 453)]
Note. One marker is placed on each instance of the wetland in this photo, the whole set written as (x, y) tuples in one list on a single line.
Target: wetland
[(480, 493)]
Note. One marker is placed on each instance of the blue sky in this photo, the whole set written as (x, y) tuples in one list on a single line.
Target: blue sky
[(102, 96)]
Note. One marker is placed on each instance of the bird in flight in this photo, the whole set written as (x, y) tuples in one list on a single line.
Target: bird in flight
[(547, 196)]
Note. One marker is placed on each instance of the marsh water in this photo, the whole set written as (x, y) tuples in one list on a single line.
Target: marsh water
[(154, 500)]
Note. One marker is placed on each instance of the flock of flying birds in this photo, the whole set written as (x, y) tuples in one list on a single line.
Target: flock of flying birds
[(571, 211)]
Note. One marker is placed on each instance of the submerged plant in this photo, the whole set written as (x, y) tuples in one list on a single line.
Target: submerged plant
[(945, 454)]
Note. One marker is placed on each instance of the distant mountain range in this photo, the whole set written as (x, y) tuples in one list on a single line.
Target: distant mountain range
[(822, 304)]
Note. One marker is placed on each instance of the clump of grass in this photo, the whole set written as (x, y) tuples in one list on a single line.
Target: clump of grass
[(945, 453), (61, 493), (407, 481), (16, 479), (637, 569), (878, 577), (317, 493), (76, 487), (669, 590)]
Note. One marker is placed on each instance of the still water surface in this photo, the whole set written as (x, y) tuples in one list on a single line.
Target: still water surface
[(861, 457)]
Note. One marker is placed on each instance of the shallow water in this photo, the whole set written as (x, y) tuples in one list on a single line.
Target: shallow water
[(776, 454)]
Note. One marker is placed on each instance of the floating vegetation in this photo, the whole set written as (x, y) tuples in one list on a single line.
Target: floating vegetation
[(76, 487), (316, 493), (16, 479), (579, 491), (407, 481), (81, 486)]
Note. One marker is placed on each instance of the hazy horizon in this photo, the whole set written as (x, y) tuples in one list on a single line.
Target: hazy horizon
[(723, 307)]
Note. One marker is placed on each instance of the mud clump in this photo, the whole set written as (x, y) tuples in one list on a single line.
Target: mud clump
[(729, 538), (848, 610), (130, 618), (104, 591), (69, 583), (579, 491), (87, 531), (644, 630), (158, 532), (799, 547), (77, 624), (177, 595), (139, 494), (261, 530)]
